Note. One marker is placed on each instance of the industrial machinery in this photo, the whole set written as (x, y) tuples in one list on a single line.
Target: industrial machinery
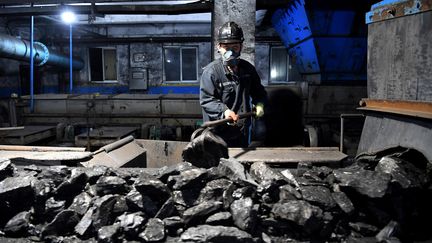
[(398, 107)]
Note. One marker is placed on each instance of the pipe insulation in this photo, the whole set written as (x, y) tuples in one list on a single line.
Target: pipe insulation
[(18, 49)]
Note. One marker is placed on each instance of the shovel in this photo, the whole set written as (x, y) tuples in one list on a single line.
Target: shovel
[(206, 148)]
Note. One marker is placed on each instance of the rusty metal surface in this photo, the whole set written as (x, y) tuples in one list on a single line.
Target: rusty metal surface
[(389, 11), (40, 148), (10, 128), (421, 109), (43, 155), (382, 132), (162, 153), (119, 154), (44, 158), (104, 135), (28, 134), (293, 155)]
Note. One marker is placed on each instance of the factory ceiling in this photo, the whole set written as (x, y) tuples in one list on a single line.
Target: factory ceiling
[(102, 7)]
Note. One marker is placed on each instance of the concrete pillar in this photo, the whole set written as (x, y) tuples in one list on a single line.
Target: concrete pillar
[(243, 13)]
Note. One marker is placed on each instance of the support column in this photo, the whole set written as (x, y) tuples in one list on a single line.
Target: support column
[(243, 13)]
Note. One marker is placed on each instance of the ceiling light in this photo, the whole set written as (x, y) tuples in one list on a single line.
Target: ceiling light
[(68, 17)]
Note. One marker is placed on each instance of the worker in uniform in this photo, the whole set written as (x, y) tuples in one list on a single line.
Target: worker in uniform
[(231, 86)]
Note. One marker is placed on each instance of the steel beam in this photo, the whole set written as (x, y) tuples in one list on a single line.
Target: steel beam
[(42, 7), (422, 109), (382, 11), (38, 2), (109, 9)]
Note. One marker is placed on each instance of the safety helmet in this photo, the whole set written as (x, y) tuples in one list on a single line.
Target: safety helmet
[(230, 32)]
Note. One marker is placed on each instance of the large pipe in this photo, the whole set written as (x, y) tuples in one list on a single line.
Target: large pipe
[(19, 49)]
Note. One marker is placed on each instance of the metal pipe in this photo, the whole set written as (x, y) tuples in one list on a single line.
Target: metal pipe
[(70, 59), (18, 49), (31, 64)]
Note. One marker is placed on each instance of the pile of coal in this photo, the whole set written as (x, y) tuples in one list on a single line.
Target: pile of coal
[(380, 199)]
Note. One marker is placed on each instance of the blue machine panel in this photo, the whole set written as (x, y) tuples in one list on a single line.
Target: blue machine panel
[(321, 41), (305, 56)]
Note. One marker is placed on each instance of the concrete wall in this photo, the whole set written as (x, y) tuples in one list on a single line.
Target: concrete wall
[(53, 80), (243, 13)]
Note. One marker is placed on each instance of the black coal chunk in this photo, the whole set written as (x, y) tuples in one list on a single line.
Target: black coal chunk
[(198, 214), (301, 213), (318, 195), (105, 212), (63, 223), (84, 228), (72, 186), (221, 218), (138, 202), (268, 190), (153, 188), (173, 225), (53, 207), (343, 202), (402, 172), (81, 203), (154, 230), (132, 224), (187, 178), (213, 191), (244, 213), (167, 171), (55, 174), (109, 234), (186, 197), (16, 195), (110, 185), (42, 189), (206, 150), (363, 229), (6, 169), (365, 182), (95, 172), (18, 225), (236, 172), (210, 233), (389, 233), (290, 178), (260, 172), (167, 209), (288, 193)]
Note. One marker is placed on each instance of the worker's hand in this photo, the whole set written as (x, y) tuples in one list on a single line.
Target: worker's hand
[(259, 110), (232, 114)]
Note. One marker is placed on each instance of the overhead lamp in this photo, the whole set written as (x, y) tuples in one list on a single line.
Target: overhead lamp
[(68, 17)]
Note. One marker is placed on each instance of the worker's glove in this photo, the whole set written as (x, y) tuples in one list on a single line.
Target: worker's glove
[(259, 110), (229, 113)]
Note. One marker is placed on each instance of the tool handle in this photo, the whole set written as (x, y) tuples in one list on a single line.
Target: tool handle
[(226, 120)]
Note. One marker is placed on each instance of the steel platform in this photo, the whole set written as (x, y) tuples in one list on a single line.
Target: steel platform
[(26, 135)]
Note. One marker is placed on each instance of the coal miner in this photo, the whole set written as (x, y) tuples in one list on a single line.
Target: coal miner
[(231, 86)]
